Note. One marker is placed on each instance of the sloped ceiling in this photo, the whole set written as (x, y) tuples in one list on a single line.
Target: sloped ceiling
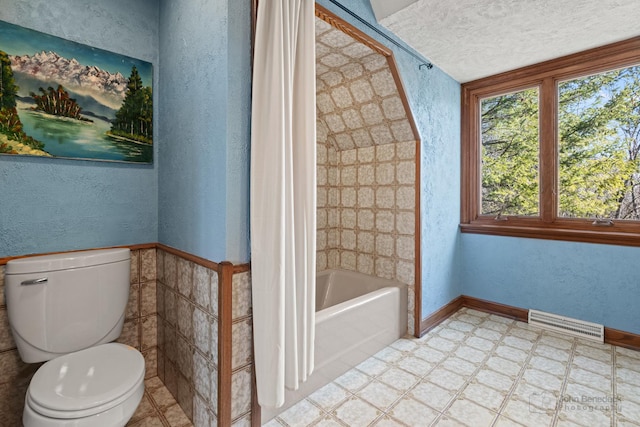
[(470, 39), (358, 102)]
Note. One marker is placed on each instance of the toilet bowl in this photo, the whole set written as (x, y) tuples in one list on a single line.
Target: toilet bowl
[(66, 309), (97, 387)]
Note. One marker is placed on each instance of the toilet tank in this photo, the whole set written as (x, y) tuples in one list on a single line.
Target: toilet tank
[(62, 303)]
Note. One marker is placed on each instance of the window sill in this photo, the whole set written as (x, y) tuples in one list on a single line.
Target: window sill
[(554, 233)]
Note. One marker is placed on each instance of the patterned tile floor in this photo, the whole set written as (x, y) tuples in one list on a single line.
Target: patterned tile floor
[(476, 369), (158, 408)]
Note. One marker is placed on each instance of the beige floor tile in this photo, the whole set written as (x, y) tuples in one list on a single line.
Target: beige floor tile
[(373, 366), (593, 365), (542, 379), (628, 376), (602, 354), (387, 421), (460, 366), (484, 396), (353, 380), (356, 412), (506, 422), (494, 379), (556, 340), (328, 421), (429, 354), (379, 395), (152, 421), (548, 365), (432, 395), (452, 335), (627, 362), (417, 366), (410, 412), (470, 354), (629, 410), (518, 343), (470, 413), (446, 379), (469, 318), (628, 352), (595, 381), (628, 392), (449, 422), (404, 344), (488, 334), (329, 396), (389, 355), (399, 379), (495, 326), (526, 334), (442, 344), (511, 353), (461, 326), (481, 344), (526, 414), (301, 414), (552, 352), (503, 365), (176, 417)]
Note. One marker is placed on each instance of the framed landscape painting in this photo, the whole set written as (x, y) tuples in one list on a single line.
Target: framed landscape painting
[(63, 99)]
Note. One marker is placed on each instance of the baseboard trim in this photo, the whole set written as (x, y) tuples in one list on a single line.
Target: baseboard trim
[(621, 338), (495, 308), (611, 336), (439, 315)]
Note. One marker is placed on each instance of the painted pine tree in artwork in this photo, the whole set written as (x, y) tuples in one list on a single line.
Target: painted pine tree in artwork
[(134, 119), (8, 88), (10, 124)]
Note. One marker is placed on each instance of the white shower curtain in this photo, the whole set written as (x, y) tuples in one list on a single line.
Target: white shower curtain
[(283, 196)]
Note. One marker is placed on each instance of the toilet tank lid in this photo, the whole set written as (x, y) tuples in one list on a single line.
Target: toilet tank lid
[(67, 260)]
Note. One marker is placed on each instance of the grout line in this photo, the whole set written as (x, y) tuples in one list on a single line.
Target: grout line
[(565, 381)]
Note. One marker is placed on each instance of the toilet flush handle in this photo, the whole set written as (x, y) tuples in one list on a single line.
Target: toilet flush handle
[(39, 281)]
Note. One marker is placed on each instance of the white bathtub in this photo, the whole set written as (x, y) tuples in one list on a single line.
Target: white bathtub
[(356, 316)]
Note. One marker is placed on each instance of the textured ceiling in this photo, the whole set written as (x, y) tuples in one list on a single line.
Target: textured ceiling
[(358, 103), (470, 39)]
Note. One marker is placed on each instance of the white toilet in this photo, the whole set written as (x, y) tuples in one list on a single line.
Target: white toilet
[(67, 308)]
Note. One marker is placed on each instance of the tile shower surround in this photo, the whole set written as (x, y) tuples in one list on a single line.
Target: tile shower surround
[(366, 212), (367, 152), (172, 317)]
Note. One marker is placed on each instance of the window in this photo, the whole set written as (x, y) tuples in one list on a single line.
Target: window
[(509, 141), (553, 150)]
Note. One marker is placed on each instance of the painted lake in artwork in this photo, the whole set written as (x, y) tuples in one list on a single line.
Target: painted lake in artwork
[(65, 137)]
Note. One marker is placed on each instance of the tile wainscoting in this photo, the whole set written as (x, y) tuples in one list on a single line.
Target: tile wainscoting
[(190, 318), (205, 354)]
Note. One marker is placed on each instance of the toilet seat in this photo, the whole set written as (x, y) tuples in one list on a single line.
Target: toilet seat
[(87, 382)]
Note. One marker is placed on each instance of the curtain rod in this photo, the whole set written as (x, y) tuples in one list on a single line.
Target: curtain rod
[(423, 63)]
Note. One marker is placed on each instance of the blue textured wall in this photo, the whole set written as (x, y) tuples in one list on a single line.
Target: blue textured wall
[(596, 283), (435, 103), (204, 127), (57, 205)]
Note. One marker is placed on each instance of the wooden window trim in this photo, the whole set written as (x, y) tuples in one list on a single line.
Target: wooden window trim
[(545, 76)]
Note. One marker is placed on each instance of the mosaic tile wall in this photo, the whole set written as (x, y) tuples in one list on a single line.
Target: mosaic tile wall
[(139, 331), (187, 301)]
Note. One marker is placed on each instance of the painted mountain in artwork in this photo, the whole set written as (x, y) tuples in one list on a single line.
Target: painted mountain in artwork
[(99, 91)]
